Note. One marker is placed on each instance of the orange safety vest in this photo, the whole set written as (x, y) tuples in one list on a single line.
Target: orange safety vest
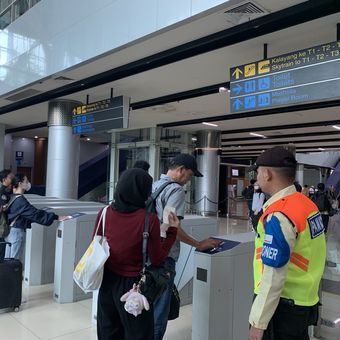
[(307, 260)]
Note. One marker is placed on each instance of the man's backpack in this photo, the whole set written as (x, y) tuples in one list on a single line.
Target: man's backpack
[(150, 205), (4, 225)]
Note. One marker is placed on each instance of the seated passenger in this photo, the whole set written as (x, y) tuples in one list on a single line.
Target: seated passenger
[(124, 226), (20, 216)]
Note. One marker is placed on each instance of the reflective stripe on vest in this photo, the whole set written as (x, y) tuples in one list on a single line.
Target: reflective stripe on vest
[(309, 252)]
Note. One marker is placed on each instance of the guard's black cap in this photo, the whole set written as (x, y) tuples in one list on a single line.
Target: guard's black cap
[(187, 161), (277, 157)]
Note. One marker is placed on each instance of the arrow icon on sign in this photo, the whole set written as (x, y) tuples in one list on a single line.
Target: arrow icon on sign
[(237, 73), (237, 89), (237, 104)]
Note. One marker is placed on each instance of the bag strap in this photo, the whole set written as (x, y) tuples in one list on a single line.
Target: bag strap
[(155, 194), (102, 219), (12, 199), (146, 237), (146, 234), (10, 202)]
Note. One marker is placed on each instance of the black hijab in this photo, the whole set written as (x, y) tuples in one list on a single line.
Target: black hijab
[(133, 189)]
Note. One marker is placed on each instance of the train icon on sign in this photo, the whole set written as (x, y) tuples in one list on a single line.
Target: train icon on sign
[(263, 66)]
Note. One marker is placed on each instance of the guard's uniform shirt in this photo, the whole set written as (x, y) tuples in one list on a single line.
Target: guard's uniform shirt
[(289, 254)]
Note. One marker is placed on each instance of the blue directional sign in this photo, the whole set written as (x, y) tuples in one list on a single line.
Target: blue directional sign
[(312, 74), (263, 99), (237, 89), (250, 102), (250, 86), (263, 83), (237, 104), (99, 116)]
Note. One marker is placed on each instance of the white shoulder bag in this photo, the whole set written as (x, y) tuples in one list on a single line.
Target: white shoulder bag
[(88, 273)]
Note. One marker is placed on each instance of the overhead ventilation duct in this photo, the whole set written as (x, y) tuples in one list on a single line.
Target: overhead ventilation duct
[(23, 94), (244, 12)]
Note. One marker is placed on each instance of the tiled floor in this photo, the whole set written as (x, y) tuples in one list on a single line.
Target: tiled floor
[(40, 318)]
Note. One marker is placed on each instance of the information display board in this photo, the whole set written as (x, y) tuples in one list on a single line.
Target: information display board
[(101, 116), (308, 75)]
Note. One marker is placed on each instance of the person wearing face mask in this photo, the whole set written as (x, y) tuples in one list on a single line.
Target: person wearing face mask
[(258, 200), (20, 216)]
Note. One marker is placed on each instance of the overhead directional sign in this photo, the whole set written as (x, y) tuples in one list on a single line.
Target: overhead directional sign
[(312, 74), (101, 116)]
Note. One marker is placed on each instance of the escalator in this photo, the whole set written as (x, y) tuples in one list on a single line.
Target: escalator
[(92, 174)]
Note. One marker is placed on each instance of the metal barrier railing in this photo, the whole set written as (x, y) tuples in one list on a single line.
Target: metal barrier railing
[(235, 207)]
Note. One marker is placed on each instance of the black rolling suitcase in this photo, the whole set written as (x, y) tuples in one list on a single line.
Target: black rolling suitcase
[(10, 283)]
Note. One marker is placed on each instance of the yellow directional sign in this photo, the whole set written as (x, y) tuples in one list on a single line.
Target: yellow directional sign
[(237, 73), (264, 66), (250, 70)]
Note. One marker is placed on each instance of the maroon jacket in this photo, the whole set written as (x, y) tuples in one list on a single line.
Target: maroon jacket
[(124, 233)]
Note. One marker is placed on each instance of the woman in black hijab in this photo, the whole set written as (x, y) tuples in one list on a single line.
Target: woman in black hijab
[(124, 226), (132, 190)]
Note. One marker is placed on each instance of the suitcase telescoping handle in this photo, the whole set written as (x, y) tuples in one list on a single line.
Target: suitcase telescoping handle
[(3, 242)]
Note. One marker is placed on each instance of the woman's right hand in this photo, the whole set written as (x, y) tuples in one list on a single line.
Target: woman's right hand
[(173, 220)]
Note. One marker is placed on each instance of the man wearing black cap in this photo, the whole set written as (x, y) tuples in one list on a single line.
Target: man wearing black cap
[(290, 254), (180, 171)]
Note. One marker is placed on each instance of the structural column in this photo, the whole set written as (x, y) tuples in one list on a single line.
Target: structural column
[(208, 161), (154, 152), (2, 146), (114, 164), (63, 151), (299, 174)]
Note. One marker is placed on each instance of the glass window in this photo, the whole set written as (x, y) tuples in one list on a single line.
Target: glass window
[(165, 156), (4, 4), (134, 136), (20, 7), (172, 136), (128, 157), (5, 19)]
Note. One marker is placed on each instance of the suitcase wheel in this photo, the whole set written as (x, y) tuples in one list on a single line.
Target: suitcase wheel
[(16, 309)]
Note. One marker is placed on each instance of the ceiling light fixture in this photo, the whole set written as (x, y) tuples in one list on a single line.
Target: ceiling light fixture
[(36, 137), (257, 135), (210, 124), (321, 149), (223, 89), (336, 127), (88, 139)]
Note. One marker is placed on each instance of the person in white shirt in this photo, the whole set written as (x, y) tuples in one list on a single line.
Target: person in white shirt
[(258, 200)]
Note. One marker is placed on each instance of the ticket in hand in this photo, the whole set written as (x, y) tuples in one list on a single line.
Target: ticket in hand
[(167, 210)]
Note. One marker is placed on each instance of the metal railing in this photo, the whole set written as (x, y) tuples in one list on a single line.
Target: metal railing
[(10, 10), (235, 207)]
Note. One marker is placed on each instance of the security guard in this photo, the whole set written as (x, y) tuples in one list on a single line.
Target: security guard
[(290, 254)]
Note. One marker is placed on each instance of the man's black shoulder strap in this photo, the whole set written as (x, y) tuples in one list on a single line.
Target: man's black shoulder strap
[(156, 193)]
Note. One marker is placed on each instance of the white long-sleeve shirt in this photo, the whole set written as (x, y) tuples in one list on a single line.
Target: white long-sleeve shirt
[(258, 200)]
